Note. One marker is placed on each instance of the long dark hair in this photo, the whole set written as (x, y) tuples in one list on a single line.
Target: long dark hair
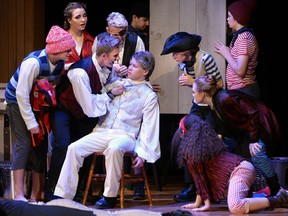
[(199, 144)]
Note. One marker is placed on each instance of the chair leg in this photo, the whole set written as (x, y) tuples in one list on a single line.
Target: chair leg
[(122, 188), (147, 186), (156, 178), (141, 178), (91, 171)]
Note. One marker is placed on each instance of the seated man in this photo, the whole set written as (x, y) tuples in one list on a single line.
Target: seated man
[(131, 124), (81, 99)]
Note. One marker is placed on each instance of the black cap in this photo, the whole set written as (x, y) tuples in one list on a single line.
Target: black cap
[(180, 42)]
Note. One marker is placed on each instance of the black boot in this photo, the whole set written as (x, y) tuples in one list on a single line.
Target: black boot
[(273, 185), (50, 185), (188, 194), (177, 213), (106, 202), (280, 200)]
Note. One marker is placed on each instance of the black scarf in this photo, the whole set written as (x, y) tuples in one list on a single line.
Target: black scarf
[(235, 34), (56, 73), (190, 64)]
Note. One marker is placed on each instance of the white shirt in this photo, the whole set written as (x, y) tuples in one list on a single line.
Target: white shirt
[(93, 105), (136, 111), (29, 70)]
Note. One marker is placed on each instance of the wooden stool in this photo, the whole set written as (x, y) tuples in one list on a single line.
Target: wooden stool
[(124, 178)]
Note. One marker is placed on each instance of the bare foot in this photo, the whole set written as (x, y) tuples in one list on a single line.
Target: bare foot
[(38, 197)]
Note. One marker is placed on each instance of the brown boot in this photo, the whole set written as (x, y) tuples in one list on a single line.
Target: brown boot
[(280, 200)]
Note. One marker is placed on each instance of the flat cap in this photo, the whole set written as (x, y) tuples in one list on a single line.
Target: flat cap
[(180, 42)]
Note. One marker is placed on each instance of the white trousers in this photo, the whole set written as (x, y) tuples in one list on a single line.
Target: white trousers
[(113, 144)]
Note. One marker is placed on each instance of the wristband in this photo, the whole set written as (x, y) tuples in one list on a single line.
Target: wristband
[(110, 95)]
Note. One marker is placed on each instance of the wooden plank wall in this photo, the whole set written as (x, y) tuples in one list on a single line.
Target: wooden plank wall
[(5, 138), (22, 23), (23, 31), (204, 17)]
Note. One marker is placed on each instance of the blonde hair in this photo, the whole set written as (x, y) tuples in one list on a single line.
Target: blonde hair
[(106, 44), (146, 60), (206, 83)]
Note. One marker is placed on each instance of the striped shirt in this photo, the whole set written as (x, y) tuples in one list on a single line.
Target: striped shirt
[(208, 65), (211, 177), (245, 44)]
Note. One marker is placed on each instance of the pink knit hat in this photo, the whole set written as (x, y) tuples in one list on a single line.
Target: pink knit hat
[(58, 40), (242, 11)]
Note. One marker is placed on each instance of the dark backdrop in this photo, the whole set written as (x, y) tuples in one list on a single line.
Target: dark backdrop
[(271, 68), (97, 11)]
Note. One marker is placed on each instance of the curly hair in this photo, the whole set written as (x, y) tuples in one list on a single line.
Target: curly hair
[(200, 143)]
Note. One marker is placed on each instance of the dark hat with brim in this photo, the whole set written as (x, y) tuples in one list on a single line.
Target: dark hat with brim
[(180, 42)]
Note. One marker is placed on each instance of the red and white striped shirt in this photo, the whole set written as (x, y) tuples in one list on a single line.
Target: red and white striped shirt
[(245, 44)]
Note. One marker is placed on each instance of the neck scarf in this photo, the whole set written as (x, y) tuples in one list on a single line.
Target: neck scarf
[(235, 34)]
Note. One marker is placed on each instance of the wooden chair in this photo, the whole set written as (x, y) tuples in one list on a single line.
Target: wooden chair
[(129, 178)]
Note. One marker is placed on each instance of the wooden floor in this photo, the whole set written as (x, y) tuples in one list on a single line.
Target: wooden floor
[(163, 202)]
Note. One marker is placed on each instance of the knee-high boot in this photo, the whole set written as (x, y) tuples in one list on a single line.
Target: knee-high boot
[(273, 184)]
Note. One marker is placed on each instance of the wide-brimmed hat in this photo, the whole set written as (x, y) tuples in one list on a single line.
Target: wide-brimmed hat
[(180, 42)]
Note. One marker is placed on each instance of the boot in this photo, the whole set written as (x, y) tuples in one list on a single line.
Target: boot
[(280, 200), (273, 184), (49, 189), (187, 194), (106, 202), (177, 213)]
